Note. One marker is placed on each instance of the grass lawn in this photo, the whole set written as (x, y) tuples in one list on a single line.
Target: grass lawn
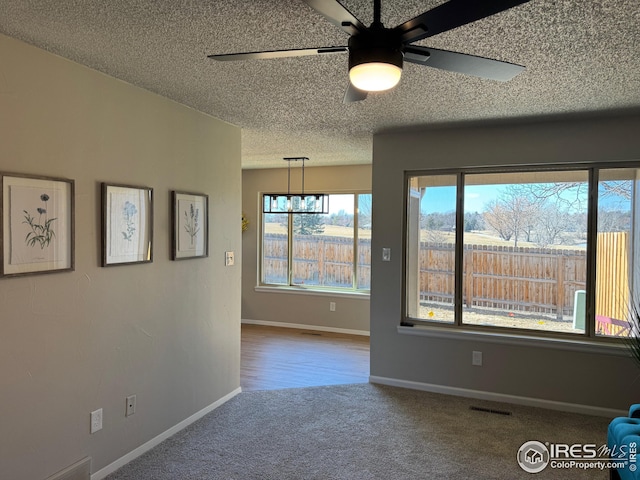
[(470, 238)]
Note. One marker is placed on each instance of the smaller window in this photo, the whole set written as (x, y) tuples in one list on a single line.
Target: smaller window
[(320, 251), (431, 236), (614, 251)]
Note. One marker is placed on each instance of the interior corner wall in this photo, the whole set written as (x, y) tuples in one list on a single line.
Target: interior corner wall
[(310, 310), (166, 331), (532, 372)]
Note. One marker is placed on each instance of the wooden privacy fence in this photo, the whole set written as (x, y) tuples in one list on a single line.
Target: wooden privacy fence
[(540, 280), (317, 260), (274, 258), (526, 279), (612, 267)]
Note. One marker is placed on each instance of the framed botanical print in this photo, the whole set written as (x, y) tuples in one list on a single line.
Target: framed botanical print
[(37, 228), (127, 224), (190, 214)]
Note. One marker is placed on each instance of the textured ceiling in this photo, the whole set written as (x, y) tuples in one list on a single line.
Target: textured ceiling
[(581, 55)]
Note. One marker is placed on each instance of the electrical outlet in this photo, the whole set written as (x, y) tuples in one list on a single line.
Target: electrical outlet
[(96, 420), (332, 306), (228, 259), (476, 359), (131, 405)]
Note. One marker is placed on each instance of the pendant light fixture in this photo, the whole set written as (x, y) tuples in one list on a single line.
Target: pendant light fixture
[(295, 202)]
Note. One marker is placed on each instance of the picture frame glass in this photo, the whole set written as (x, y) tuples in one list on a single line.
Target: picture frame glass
[(127, 224), (191, 225), (37, 225)]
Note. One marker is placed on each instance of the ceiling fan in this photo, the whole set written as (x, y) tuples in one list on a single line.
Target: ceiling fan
[(376, 53)]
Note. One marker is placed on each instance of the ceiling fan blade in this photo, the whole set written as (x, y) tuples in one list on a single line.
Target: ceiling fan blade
[(462, 63), (353, 94), (300, 52), (337, 14), (450, 15)]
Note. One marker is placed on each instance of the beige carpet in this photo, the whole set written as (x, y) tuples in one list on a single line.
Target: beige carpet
[(362, 431)]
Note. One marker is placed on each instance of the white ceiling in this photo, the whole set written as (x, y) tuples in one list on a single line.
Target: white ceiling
[(581, 56)]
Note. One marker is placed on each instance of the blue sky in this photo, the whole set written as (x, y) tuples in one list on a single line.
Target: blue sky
[(443, 199)]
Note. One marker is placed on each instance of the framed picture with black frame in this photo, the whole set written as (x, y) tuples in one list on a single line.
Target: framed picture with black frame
[(127, 224), (190, 232), (37, 229)]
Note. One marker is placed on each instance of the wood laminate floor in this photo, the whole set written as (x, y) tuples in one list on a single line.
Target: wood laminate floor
[(274, 358)]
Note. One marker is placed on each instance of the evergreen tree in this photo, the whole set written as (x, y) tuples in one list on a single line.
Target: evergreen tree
[(308, 224)]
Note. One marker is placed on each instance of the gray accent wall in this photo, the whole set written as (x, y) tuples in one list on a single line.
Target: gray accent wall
[(167, 331), (606, 379), (289, 307)]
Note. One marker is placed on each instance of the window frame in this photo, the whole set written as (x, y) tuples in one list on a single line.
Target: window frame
[(458, 327), (318, 289)]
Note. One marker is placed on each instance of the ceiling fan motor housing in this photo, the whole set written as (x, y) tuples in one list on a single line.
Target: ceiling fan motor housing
[(379, 44)]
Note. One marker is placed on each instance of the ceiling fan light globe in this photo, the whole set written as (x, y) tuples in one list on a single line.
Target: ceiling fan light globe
[(375, 76)]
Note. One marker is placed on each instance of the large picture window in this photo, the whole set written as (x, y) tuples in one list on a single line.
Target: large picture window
[(545, 251), (320, 251)]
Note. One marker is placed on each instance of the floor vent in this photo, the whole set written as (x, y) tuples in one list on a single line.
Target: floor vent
[(312, 334), (78, 471), (490, 410)]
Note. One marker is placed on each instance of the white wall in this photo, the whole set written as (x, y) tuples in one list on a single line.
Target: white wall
[(352, 313), (74, 342), (571, 377)]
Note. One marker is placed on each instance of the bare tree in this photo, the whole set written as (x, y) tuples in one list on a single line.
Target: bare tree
[(567, 195), (498, 218), (620, 188), (513, 214), (551, 224), (574, 194), (614, 220), (364, 210)]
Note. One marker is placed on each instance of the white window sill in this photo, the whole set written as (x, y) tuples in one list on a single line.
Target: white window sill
[(577, 345), (311, 291)]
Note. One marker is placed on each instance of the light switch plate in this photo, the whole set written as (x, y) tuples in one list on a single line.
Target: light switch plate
[(386, 254), (476, 358), (229, 259)]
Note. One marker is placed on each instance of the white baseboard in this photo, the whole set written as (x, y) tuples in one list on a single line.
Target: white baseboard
[(301, 326), (122, 461), (500, 397)]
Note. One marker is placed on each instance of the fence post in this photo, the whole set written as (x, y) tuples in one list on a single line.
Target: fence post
[(321, 247), (560, 287), (468, 274)]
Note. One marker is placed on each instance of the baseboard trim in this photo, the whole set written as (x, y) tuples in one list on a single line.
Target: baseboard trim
[(500, 397), (80, 470), (301, 326), (122, 461)]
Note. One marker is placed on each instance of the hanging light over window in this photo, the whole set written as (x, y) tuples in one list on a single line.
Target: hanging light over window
[(295, 202)]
